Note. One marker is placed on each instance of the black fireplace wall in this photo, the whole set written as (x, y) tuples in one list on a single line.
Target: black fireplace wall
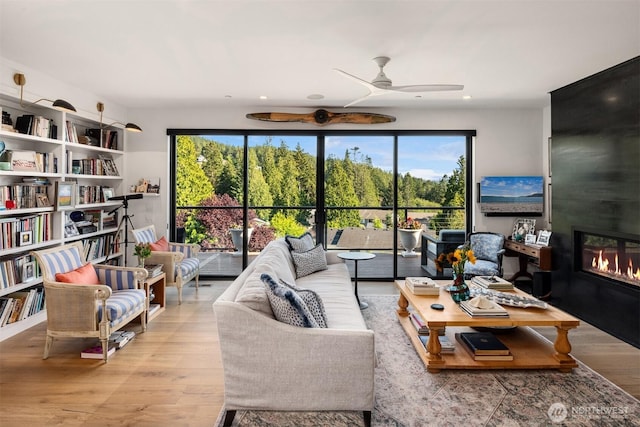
[(595, 166)]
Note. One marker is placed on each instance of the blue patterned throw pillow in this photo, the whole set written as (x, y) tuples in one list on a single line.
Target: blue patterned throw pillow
[(310, 261), (287, 305), (300, 244), (313, 301)]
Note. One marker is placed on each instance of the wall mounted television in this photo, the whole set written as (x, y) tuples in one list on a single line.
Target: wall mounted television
[(512, 195)]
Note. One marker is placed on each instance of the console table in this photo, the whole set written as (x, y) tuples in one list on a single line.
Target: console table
[(539, 256)]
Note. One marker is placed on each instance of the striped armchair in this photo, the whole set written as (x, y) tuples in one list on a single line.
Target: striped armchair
[(77, 310), (180, 263)]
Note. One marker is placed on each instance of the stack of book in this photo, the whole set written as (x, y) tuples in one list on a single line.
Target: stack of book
[(153, 270), (119, 339), (446, 346), (420, 326), (484, 346), (480, 306), (492, 282), (422, 286), (95, 352)]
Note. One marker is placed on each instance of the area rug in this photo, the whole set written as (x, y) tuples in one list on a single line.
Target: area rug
[(406, 395)]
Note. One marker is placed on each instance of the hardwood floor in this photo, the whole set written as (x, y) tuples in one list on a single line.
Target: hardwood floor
[(172, 375)]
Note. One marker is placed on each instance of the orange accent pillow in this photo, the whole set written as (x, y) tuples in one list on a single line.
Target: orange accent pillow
[(85, 275), (161, 245)]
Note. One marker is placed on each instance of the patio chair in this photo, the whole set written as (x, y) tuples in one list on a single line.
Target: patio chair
[(488, 249), (179, 260), (78, 309)]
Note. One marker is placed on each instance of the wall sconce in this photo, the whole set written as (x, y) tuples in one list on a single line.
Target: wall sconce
[(59, 104), (132, 127)]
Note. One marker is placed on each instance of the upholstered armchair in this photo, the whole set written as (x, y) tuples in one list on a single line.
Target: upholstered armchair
[(76, 304), (179, 260), (488, 249)]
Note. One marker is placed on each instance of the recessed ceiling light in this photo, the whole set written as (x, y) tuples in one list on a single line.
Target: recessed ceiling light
[(263, 96), (418, 96), (228, 96), (466, 97), (315, 96)]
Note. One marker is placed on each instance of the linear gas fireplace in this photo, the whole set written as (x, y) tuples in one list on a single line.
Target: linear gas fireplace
[(609, 255)]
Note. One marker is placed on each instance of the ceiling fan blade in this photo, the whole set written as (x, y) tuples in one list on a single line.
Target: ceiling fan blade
[(323, 117), (369, 86), (424, 88)]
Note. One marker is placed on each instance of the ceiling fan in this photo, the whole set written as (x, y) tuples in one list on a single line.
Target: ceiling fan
[(323, 117), (382, 84)]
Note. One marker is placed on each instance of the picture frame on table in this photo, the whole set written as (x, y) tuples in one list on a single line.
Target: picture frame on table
[(65, 195), (522, 227), (530, 239), (25, 238), (28, 271), (544, 236)]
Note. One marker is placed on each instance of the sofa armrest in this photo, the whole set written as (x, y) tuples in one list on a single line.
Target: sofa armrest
[(332, 258), (268, 364)]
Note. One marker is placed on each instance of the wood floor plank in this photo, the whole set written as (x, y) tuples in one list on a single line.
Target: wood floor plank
[(172, 374)]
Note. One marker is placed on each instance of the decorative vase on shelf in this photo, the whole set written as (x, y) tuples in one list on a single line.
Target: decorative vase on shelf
[(410, 239), (459, 290)]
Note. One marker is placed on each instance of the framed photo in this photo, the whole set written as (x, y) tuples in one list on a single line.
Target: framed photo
[(70, 229), (530, 239), (522, 227), (107, 193), (543, 238), (25, 238), (65, 195), (42, 200), (28, 271)]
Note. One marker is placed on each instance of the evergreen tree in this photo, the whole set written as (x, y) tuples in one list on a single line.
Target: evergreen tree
[(259, 193), (339, 192), (213, 161), (192, 185)]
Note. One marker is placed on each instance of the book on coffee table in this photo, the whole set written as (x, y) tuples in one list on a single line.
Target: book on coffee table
[(422, 286), (483, 344)]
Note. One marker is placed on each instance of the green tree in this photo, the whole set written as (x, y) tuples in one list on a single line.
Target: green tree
[(259, 193), (230, 181), (192, 185), (340, 192), (213, 161)]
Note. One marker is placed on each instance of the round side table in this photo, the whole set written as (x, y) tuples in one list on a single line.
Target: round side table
[(355, 257)]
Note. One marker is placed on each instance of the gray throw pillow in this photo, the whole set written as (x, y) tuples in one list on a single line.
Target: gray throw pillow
[(300, 244), (310, 261), (313, 301), (287, 305)]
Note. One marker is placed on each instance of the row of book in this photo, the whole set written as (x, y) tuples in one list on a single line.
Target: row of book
[(25, 196), (30, 161), (97, 247), (20, 305), (30, 124), (93, 166), (14, 231), (484, 346), (90, 194), (105, 138), (18, 270)]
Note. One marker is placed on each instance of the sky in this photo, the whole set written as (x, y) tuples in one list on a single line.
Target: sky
[(427, 157), (511, 186)]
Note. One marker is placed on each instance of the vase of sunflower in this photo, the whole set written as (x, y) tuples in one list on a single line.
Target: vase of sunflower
[(459, 290)]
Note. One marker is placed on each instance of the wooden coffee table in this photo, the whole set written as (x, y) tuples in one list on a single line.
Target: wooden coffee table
[(529, 349)]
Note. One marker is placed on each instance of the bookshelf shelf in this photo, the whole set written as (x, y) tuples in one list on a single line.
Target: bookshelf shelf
[(55, 138)]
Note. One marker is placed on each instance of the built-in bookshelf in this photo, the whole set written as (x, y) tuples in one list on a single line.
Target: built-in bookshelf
[(45, 152)]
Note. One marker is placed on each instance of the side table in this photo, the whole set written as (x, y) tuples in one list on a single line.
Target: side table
[(157, 304), (355, 257)]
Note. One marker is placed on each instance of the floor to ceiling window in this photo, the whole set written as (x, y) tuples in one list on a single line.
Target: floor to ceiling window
[(236, 191)]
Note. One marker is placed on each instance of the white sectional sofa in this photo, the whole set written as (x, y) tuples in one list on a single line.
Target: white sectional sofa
[(272, 365)]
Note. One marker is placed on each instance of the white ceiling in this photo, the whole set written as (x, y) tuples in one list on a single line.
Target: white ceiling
[(172, 53)]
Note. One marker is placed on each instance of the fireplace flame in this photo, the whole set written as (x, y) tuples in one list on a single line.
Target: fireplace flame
[(601, 263)]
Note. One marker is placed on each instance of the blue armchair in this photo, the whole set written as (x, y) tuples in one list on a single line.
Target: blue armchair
[(488, 249)]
